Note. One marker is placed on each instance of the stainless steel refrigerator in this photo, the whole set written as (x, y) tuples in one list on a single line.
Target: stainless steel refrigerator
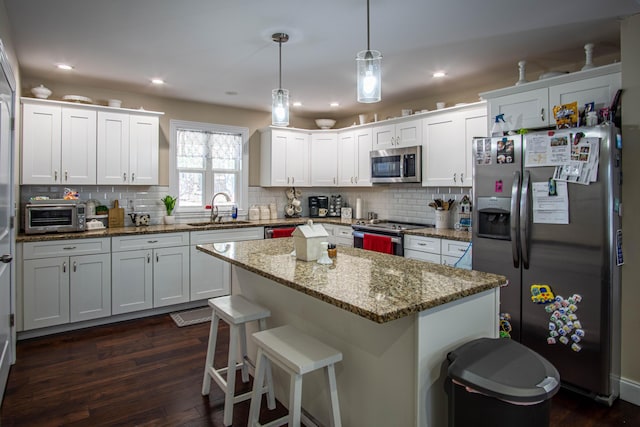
[(550, 223)]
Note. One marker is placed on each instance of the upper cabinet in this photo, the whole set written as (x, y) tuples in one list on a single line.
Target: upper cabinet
[(58, 145), (531, 105), (354, 166), (75, 144), (401, 134), (284, 158), (447, 150), (127, 149), (324, 152)]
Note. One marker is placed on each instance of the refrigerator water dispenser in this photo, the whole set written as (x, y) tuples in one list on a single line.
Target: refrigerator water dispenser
[(494, 217)]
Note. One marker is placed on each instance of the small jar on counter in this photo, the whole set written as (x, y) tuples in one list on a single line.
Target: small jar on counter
[(332, 250)]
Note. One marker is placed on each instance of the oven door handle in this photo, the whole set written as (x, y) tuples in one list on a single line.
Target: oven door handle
[(360, 235)]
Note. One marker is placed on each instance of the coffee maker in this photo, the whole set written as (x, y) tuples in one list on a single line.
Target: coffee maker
[(313, 207), (323, 205)]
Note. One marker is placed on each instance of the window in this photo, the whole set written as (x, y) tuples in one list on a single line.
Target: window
[(207, 159)]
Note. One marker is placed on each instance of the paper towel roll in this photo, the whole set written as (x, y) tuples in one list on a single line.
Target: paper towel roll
[(358, 208)]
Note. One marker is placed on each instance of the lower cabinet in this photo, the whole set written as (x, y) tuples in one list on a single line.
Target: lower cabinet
[(66, 282), (210, 276), (436, 250), (149, 271)]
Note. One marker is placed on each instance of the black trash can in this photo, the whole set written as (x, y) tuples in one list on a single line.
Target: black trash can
[(499, 383)]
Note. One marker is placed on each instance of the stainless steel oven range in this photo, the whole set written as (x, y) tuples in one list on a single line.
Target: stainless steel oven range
[(391, 229)]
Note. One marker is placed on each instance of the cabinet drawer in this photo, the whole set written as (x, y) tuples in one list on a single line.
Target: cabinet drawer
[(422, 256), (454, 248), (149, 241), (424, 244), (344, 232), (234, 235), (57, 248)]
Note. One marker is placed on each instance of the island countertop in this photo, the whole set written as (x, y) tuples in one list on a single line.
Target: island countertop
[(375, 286)]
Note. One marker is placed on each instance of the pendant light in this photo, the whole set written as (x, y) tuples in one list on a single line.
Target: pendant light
[(369, 72), (280, 97)]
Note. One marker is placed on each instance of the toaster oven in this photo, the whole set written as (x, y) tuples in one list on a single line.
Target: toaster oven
[(54, 216)]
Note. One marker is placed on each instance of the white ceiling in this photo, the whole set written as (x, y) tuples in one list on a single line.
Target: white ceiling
[(221, 51)]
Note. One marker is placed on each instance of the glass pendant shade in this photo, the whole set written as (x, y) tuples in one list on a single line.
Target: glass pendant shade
[(280, 107), (369, 68)]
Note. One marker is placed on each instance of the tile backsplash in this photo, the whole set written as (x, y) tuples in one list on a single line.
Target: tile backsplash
[(401, 202)]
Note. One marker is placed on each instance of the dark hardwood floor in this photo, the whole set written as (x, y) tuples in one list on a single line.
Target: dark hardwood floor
[(148, 372)]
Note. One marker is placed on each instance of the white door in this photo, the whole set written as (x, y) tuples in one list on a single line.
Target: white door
[(324, 159), (113, 148), (131, 281), (363, 148), (89, 287), (346, 159), (143, 150), (170, 276), (7, 289), (78, 146)]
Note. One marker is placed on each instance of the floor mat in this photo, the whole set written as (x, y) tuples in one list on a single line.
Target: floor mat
[(192, 317)]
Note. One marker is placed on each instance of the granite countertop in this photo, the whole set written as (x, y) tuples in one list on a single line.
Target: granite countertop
[(152, 229), (376, 286), (464, 236)]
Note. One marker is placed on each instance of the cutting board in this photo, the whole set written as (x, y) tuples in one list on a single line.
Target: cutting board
[(116, 215)]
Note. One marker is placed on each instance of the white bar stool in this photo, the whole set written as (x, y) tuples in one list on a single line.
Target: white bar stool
[(236, 311), (296, 353)]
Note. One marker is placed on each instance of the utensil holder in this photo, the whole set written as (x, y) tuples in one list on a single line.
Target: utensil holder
[(443, 219)]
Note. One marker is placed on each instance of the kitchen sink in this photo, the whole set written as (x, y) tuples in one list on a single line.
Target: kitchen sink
[(208, 223)]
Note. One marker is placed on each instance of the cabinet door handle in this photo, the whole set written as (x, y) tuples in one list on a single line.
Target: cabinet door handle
[(422, 244), (75, 266), (334, 179), (64, 267), (55, 175), (356, 180), (454, 177), (157, 258), (152, 241), (133, 176), (124, 177), (293, 179), (148, 258), (542, 114), (66, 175), (68, 248), (352, 180), (461, 178)]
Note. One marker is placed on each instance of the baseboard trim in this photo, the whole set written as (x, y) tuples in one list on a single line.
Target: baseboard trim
[(630, 391)]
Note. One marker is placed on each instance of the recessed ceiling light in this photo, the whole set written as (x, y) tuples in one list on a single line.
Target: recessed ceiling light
[(231, 92), (64, 67), (157, 81), (334, 104), (438, 74), (297, 104)]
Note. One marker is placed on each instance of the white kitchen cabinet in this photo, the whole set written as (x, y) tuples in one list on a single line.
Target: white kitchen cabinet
[(422, 248), (58, 144), (447, 153), (405, 133), (128, 146), (284, 158), (436, 250), (210, 276), (343, 235), (65, 282), (324, 156), (149, 271), (354, 165), (453, 250), (531, 105)]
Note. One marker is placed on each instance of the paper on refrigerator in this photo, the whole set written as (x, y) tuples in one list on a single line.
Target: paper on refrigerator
[(550, 209)]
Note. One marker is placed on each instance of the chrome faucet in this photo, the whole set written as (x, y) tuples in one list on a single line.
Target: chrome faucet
[(214, 208)]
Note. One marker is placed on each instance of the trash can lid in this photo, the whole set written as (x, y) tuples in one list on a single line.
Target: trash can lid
[(504, 369)]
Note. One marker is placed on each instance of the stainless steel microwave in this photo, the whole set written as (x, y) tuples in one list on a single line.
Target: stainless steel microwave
[(54, 216), (396, 165)]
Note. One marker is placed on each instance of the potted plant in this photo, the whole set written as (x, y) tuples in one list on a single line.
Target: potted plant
[(169, 204)]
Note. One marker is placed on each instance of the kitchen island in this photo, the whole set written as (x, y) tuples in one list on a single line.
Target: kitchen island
[(394, 319)]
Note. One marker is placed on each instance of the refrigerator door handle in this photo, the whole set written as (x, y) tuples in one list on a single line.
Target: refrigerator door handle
[(513, 225), (524, 218)]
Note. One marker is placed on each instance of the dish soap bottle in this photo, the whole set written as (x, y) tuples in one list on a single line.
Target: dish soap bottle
[(498, 126)]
